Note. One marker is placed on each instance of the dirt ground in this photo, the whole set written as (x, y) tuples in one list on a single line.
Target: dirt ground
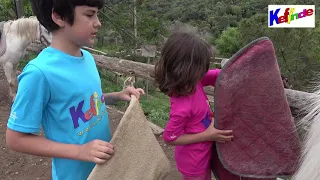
[(17, 166)]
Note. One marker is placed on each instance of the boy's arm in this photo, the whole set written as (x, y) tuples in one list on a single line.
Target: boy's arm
[(111, 98), (124, 95), (40, 146), (96, 151)]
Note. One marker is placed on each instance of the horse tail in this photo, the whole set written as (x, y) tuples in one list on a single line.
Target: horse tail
[(309, 161)]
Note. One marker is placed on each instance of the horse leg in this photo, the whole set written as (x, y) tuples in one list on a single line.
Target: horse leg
[(8, 69)]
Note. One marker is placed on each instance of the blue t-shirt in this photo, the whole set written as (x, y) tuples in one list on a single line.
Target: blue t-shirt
[(63, 94)]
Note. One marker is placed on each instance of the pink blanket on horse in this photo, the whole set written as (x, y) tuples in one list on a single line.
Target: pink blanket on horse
[(250, 100)]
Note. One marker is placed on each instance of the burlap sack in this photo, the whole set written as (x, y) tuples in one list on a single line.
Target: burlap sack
[(138, 155)]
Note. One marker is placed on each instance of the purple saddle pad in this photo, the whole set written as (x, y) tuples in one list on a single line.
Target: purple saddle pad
[(250, 100)]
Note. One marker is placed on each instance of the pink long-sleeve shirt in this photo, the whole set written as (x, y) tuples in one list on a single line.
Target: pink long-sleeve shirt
[(190, 115)]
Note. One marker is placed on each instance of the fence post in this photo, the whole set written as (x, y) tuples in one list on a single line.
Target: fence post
[(147, 82), (19, 8), (148, 51)]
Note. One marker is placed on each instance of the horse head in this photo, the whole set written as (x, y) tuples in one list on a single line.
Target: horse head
[(28, 30)]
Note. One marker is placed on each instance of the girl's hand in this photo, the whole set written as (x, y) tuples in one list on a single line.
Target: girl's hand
[(213, 134), (96, 151), (125, 95)]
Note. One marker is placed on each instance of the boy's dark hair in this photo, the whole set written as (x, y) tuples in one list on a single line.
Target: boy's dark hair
[(185, 58), (65, 8)]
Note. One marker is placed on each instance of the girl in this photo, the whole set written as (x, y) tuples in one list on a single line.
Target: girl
[(181, 73)]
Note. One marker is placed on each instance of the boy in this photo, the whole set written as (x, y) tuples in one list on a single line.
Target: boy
[(61, 90)]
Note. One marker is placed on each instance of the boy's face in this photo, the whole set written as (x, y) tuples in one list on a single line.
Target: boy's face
[(85, 26)]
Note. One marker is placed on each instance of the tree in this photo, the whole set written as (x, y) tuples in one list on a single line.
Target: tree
[(229, 42), (296, 49), (7, 10)]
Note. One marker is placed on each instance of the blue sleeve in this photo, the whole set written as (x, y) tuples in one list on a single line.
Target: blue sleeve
[(31, 99)]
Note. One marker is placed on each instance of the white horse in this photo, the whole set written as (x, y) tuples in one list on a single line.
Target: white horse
[(309, 167), (16, 36)]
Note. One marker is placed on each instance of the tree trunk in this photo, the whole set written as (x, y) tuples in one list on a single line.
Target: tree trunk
[(126, 67)]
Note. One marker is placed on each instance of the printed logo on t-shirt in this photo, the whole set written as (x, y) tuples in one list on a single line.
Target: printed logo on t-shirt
[(13, 116), (173, 136), (95, 110), (208, 118)]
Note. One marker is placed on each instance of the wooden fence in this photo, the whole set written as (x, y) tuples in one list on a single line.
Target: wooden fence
[(296, 99)]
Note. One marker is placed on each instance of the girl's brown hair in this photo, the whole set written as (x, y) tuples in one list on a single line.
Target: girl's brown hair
[(185, 58)]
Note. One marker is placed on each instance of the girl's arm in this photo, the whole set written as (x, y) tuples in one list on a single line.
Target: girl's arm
[(180, 114), (188, 139), (210, 134), (210, 77)]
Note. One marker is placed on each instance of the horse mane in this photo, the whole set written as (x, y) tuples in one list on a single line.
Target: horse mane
[(309, 162), (23, 27), (1, 27)]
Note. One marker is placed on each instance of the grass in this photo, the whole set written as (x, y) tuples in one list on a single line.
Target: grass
[(156, 106)]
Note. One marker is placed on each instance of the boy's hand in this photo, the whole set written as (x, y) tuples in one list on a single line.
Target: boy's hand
[(96, 151), (125, 95), (213, 134)]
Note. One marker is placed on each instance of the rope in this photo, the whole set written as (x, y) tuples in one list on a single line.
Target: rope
[(129, 82)]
